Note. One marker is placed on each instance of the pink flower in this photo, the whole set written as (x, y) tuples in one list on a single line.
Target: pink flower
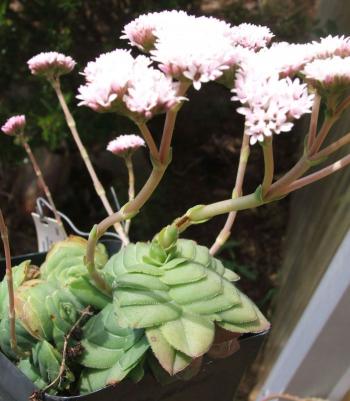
[(14, 125), (125, 144), (251, 36), (329, 73), (199, 50), (332, 46), (51, 64), (143, 31), (287, 59), (118, 82), (270, 104)]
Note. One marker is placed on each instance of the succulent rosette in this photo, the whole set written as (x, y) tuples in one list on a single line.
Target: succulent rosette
[(64, 266), (43, 368), (179, 294), (110, 351)]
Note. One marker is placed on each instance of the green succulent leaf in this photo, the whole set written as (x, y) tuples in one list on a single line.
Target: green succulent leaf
[(21, 273), (94, 379), (25, 341), (48, 362), (172, 360), (104, 341), (32, 373)]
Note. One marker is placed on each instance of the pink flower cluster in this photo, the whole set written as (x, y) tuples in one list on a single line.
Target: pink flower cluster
[(51, 64), (251, 36), (288, 59), (328, 73), (14, 125), (270, 103), (143, 31), (118, 82), (125, 144), (199, 49)]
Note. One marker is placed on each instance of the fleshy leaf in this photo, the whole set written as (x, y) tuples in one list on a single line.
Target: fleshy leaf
[(172, 360), (191, 334)]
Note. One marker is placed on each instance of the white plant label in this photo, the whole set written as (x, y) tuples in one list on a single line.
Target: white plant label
[(48, 232)]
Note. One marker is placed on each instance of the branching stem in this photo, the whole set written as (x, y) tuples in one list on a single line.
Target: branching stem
[(237, 191)]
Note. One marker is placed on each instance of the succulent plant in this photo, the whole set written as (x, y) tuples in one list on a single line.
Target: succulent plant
[(179, 294), (21, 273), (64, 266), (43, 368), (47, 312), (110, 352), (169, 295)]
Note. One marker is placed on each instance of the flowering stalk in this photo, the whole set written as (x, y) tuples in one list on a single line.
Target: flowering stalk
[(325, 152), (12, 315), (302, 182), (126, 212), (97, 184), (131, 191), (147, 136), (237, 191), (41, 179), (202, 213), (170, 124), (269, 165), (304, 162), (313, 121)]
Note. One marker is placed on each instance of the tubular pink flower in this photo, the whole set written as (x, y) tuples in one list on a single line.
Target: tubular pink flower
[(14, 125), (251, 36), (116, 81), (270, 104), (125, 144), (330, 73), (51, 64)]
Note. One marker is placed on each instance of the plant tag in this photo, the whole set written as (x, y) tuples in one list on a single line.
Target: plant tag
[(48, 232)]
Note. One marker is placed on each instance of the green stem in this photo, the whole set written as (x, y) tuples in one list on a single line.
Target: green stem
[(203, 213), (237, 191), (269, 165), (130, 209)]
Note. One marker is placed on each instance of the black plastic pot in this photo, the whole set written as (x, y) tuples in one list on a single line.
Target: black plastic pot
[(218, 379)]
